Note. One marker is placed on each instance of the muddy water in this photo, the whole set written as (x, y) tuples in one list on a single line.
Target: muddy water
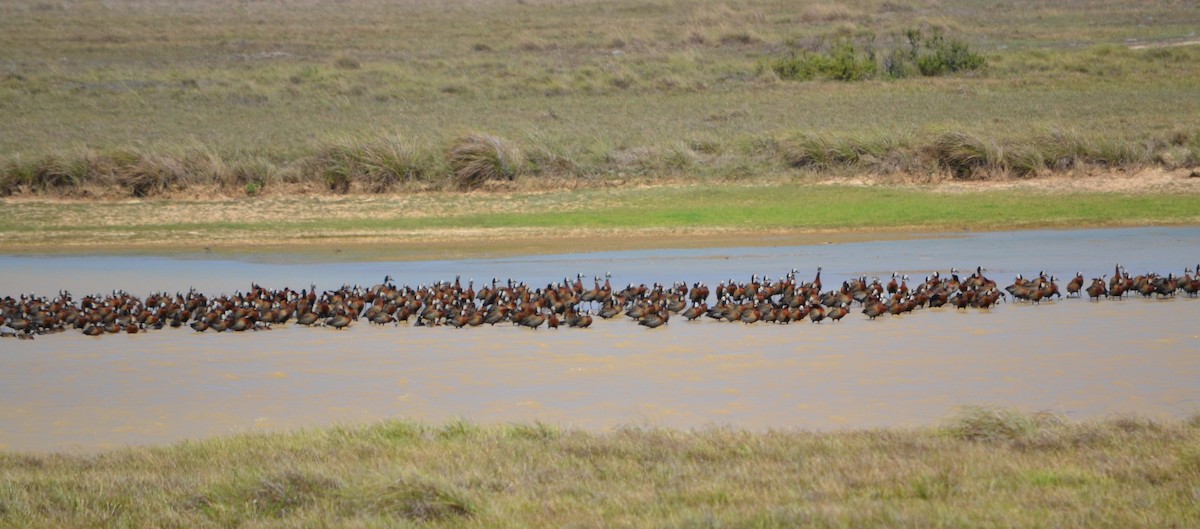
[(1079, 358)]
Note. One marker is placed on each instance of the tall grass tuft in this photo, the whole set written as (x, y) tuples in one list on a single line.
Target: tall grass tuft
[(477, 159), (129, 173), (57, 171), (548, 155), (373, 166), (877, 154), (966, 156)]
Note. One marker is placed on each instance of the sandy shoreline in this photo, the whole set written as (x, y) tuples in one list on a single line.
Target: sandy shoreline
[(343, 227)]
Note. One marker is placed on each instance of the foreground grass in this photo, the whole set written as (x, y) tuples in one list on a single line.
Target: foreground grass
[(573, 220), (140, 98), (985, 468)]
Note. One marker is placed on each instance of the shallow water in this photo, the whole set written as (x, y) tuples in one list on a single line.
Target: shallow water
[(1080, 358)]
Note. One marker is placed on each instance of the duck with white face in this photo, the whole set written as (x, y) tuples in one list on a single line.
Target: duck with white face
[(1097, 289), (1075, 285)]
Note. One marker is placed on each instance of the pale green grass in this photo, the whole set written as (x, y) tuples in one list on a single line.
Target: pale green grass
[(1028, 471), (586, 215)]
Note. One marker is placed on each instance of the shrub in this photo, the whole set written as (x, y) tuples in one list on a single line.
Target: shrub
[(478, 158), (843, 62), (937, 55), (928, 55)]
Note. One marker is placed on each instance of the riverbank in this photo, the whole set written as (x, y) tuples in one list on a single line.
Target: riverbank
[(442, 225)]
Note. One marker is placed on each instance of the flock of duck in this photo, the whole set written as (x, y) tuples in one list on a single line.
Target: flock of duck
[(567, 303)]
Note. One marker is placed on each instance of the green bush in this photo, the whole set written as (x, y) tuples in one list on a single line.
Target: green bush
[(843, 62), (928, 55), (938, 55)]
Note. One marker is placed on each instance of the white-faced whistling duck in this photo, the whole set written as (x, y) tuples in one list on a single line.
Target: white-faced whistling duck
[(1076, 285), (584, 321), (874, 308), (816, 313), (655, 318), (837, 312), (533, 321), (1191, 284), (338, 322)]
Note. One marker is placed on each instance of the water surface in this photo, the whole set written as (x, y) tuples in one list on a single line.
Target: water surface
[(1075, 357)]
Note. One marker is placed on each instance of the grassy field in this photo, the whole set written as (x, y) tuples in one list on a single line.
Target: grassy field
[(142, 97), (984, 468), (441, 225), (596, 123)]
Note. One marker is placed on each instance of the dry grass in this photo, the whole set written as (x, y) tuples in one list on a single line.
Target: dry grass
[(1010, 470), (380, 166), (478, 159)]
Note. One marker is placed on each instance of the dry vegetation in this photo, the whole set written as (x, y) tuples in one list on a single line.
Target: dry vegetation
[(984, 468), (149, 98)]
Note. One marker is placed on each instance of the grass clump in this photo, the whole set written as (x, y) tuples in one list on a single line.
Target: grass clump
[(372, 166), (966, 156), (994, 424), (279, 495), (419, 499), (478, 159), (124, 173), (873, 153)]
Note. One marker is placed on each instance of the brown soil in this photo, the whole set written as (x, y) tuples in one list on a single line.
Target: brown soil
[(1153, 180)]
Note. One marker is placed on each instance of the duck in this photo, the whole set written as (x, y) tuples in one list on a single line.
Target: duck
[(1097, 289), (580, 320), (816, 312), (1191, 285), (874, 308), (837, 312), (655, 319), (533, 321), (1075, 285), (695, 311), (339, 321)]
